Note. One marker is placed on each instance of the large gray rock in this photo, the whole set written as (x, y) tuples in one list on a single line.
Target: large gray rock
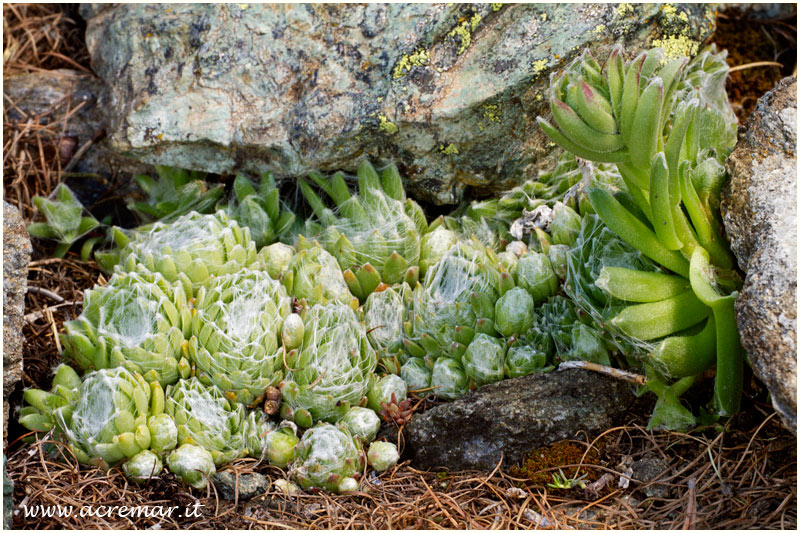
[(448, 91), (515, 416), (759, 208), (16, 256)]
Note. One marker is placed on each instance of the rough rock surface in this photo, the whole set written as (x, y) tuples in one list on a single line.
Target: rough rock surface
[(51, 95), (448, 91), (16, 255), (250, 485), (515, 416), (759, 208)]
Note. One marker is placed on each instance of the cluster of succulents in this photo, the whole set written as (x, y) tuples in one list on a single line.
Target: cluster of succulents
[(215, 327)]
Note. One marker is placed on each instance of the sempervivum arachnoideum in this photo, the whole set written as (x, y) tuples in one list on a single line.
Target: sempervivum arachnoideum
[(375, 234), (206, 418), (314, 276), (190, 249), (236, 343), (331, 371), (137, 320), (383, 314), (328, 457), (455, 301)]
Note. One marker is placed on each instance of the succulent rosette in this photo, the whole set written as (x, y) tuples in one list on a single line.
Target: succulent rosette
[(143, 466), (328, 457), (237, 326), (384, 313), (513, 312), (109, 420), (333, 369), (448, 379), (275, 258), (190, 249), (416, 373), (522, 360), (260, 210), (375, 234), (435, 244), (535, 274), (137, 320), (362, 422), (382, 455), (484, 360), (455, 301), (389, 389), (51, 410), (314, 275), (193, 464), (205, 417)]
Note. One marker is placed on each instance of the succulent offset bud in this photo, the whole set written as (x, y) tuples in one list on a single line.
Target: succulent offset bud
[(327, 457), (387, 390), (384, 313), (260, 210), (177, 192), (362, 422), (513, 312), (163, 432), (314, 275), (535, 275), (193, 464), (382, 455), (448, 379), (276, 257), (143, 466), (416, 374), (435, 244), (565, 226), (280, 445), (524, 360), (483, 361), (557, 254)]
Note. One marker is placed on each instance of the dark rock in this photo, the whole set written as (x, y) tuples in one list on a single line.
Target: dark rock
[(448, 91), (250, 485), (16, 255), (759, 210), (515, 416), (648, 469)]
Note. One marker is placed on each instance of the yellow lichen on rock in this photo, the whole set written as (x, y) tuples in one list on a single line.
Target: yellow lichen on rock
[(451, 149), (417, 59), (677, 46), (390, 128)]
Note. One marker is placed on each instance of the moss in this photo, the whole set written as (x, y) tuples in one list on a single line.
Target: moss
[(390, 128), (451, 149), (407, 62), (540, 465)]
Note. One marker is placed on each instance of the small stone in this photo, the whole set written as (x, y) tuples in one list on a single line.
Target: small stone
[(250, 485), (646, 470)]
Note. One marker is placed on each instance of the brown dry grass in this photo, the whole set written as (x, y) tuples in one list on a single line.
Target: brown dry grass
[(743, 477)]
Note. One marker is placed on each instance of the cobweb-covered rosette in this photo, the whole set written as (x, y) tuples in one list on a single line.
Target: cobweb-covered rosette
[(237, 325), (137, 320), (332, 370), (375, 234), (206, 418), (455, 301), (314, 275), (192, 248)]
